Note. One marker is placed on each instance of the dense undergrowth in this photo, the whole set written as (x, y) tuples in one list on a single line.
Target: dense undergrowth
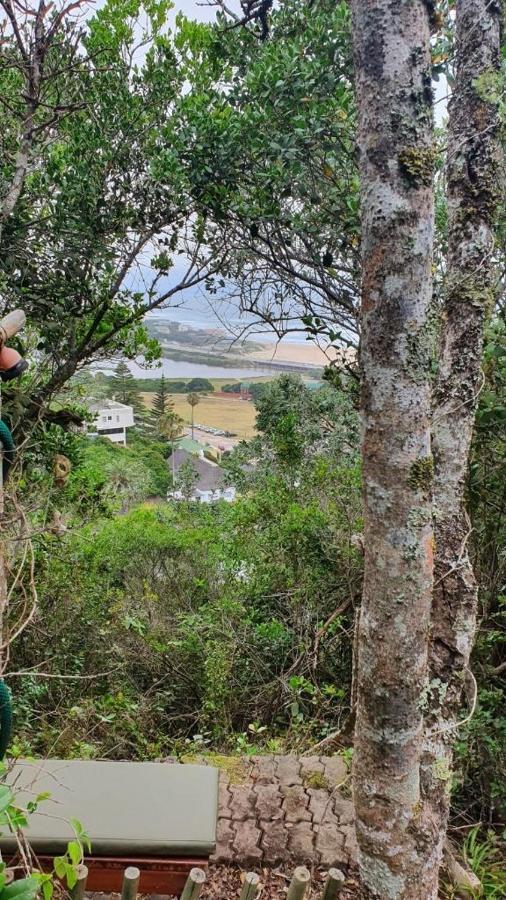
[(203, 619), (183, 627)]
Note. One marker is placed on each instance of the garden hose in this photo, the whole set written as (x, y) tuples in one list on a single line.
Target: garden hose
[(8, 449), (5, 718)]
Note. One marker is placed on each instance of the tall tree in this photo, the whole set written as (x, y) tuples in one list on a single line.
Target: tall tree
[(41, 60), (106, 211), (274, 166), (161, 402), (474, 192), (100, 199), (123, 385), (395, 137), (193, 399), (171, 426), (124, 388)]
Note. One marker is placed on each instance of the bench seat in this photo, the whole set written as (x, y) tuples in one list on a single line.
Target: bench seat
[(154, 814)]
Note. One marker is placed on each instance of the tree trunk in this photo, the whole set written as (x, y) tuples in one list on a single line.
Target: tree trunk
[(394, 97), (473, 175)]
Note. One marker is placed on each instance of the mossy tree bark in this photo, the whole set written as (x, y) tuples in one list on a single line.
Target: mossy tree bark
[(473, 178), (395, 134)]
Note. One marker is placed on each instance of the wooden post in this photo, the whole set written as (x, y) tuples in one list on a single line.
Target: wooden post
[(77, 892), (193, 884), (333, 884), (250, 886), (130, 887), (299, 884)]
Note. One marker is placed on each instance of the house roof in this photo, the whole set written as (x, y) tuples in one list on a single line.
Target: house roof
[(99, 405), (210, 476), (193, 447)]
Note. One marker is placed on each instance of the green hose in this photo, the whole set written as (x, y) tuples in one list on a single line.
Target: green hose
[(5, 718), (7, 442)]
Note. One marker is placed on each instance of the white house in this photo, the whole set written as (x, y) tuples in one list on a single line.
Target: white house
[(209, 485), (112, 420)]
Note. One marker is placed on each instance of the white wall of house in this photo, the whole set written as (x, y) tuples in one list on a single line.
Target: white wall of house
[(228, 494), (112, 420)]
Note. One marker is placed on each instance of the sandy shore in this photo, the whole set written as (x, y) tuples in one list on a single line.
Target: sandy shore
[(308, 353)]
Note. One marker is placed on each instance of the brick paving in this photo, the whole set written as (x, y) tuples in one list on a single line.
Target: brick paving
[(285, 809)]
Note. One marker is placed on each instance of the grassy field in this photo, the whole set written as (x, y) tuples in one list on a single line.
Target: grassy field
[(231, 415)]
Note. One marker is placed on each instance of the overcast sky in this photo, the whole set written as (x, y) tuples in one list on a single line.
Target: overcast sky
[(193, 10)]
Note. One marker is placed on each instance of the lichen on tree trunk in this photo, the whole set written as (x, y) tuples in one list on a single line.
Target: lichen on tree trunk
[(473, 178), (394, 98)]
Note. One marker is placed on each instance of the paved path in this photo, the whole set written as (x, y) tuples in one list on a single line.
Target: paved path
[(218, 441), (277, 809)]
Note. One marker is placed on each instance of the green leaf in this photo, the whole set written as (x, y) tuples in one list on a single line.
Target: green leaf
[(47, 890), (71, 876), (22, 889), (6, 797), (59, 864), (77, 826), (74, 851), (29, 894)]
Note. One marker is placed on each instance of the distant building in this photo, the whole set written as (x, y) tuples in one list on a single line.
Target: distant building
[(112, 420), (241, 393), (209, 485)]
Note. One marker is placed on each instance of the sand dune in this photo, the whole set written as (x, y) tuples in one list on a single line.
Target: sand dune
[(308, 353)]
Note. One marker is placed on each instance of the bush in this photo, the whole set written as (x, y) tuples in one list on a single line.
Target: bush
[(201, 620), (200, 386), (113, 477)]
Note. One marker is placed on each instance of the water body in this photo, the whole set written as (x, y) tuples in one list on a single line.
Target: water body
[(175, 369), (178, 369), (197, 312)]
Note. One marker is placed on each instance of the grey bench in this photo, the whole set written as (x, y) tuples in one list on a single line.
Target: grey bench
[(158, 817)]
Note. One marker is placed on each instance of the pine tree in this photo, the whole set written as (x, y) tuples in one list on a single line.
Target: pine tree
[(124, 387), (125, 390), (162, 402), (145, 423)]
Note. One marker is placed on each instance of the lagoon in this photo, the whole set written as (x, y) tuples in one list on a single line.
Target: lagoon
[(184, 369)]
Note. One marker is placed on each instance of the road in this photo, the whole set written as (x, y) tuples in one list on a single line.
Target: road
[(214, 440)]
